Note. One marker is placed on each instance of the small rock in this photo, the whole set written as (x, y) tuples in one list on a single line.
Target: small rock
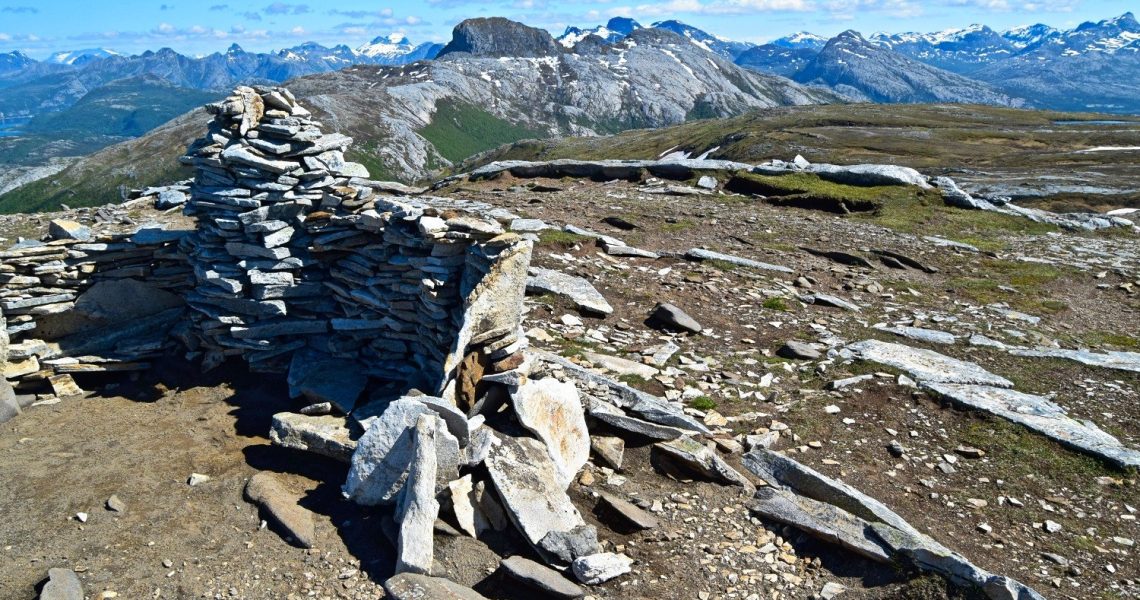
[(81, 517), (1052, 526), (116, 504), (670, 317), (707, 182), (63, 584), (970, 451), (600, 568), (831, 590), (798, 351), (197, 479), (410, 586), (629, 515)]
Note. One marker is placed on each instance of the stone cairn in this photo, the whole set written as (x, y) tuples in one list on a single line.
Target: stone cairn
[(304, 267)]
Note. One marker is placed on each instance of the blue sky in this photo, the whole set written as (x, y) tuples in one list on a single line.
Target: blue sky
[(39, 27)]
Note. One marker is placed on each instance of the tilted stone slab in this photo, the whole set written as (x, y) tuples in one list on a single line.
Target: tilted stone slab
[(1041, 415), (925, 365), (702, 254), (527, 481), (1124, 361), (551, 410), (326, 435), (819, 519), (646, 406), (418, 509), (412, 586), (577, 289)]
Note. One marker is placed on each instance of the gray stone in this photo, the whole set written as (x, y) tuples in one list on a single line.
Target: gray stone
[(169, 199), (707, 182), (602, 567), (610, 449), (464, 504), (62, 584), (541, 577), (956, 196), (240, 155), (616, 418), (621, 366), (923, 335), (412, 586), (384, 454), (821, 520), (578, 290), (1041, 415), (116, 504), (630, 516), (829, 300), (926, 366), (551, 410), (702, 254), (870, 175), (326, 380), (645, 406), (63, 229), (1124, 361), (630, 251), (418, 509), (267, 492), (670, 317), (9, 406), (797, 350), (562, 547), (526, 479), (326, 435), (693, 456)]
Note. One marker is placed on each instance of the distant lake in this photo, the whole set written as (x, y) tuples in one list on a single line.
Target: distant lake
[(12, 127), (1102, 122)]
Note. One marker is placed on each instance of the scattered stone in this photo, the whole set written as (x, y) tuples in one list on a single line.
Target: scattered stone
[(326, 435), (578, 290), (551, 410), (702, 254), (412, 586), (197, 479), (62, 229), (62, 584), (692, 456), (829, 300), (526, 479), (610, 449), (600, 568), (1052, 526), (667, 316), (267, 492), (707, 182), (541, 577), (970, 451), (797, 350), (629, 516), (925, 365), (619, 223), (116, 504), (831, 590), (621, 366)]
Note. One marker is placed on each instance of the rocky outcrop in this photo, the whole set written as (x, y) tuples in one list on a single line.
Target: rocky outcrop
[(495, 37)]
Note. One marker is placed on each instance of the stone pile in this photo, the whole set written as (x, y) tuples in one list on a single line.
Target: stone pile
[(303, 266), (105, 304)]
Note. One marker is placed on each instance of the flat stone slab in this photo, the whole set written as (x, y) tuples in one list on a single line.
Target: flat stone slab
[(600, 568), (819, 519), (694, 456), (829, 300), (702, 254), (63, 584), (621, 366), (1123, 361), (578, 290), (1041, 415), (932, 336), (541, 577), (925, 365), (412, 586), (418, 509), (267, 492), (551, 410), (630, 515), (616, 418), (526, 479), (326, 435)]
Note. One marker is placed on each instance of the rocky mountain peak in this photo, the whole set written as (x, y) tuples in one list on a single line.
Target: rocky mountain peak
[(496, 37), (623, 25)]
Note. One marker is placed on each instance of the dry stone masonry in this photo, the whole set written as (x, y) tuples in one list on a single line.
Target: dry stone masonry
[(303, 267)]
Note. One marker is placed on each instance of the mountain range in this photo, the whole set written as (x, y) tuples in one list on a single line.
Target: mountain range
[(420, 108)]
